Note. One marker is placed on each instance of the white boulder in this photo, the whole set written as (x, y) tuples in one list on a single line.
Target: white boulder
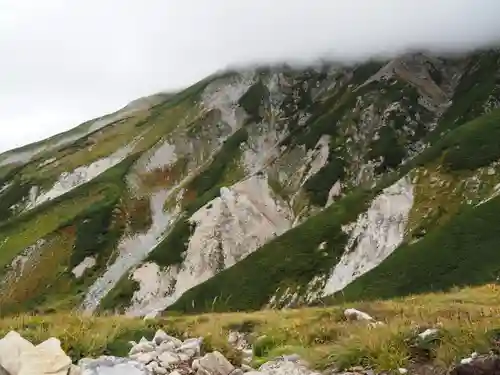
[(45, 358), (11, 347)]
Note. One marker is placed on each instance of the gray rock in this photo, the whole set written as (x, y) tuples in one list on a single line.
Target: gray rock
[(169, 360), (191, 347), (160, 336), (142, 347), (214, 364), (112, 366), (156, 369), (167, 346), (144, 358)]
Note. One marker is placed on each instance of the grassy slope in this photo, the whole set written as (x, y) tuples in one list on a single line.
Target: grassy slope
[(463, 250), (321, 335)]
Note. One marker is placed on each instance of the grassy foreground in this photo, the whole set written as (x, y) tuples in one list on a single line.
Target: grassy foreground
[(467, 318)]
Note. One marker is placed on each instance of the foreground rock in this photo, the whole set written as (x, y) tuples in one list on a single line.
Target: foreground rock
[(20, 357), (111, 366), (162, 355)]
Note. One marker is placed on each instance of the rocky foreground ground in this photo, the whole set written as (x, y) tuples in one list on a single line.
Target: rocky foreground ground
[(164, 354)]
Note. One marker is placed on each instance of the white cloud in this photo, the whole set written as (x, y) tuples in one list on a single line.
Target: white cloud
[(62, 62)]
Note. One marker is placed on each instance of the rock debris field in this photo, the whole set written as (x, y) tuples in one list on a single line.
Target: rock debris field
[(167, 355)]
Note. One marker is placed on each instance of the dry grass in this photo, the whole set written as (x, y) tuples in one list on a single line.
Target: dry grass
[(321, 335)]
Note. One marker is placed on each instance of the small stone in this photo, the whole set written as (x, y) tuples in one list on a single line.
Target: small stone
[(465, 361), (430, 332), (353, 314), (403, 371)]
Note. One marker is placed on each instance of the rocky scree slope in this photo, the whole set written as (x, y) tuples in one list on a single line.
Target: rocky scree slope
[(339, 182)]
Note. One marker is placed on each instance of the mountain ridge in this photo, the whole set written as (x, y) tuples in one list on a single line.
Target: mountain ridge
[(321, 177)]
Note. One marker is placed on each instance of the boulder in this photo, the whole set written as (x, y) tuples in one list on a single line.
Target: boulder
[(11, 347), (161, 337), (142, 347), (169, 360), (353, 314), (214, 364), (45, 358)]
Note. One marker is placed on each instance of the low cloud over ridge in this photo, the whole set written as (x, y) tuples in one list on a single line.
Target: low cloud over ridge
[(64, 62)]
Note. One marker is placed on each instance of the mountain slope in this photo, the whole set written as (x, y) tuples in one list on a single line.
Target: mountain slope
[(273, 187)]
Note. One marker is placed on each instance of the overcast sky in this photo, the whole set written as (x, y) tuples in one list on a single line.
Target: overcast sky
[(65, 61)]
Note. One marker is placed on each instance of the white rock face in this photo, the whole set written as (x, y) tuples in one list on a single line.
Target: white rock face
[(228, 229), (261, 148), (132, 250), (87, 263), (82, 175), (154, 285), (162, 156), (376, 234), (335, 191), (318, 157), (224, 97)]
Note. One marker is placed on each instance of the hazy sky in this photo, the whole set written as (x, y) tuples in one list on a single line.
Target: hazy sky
[(65, 61)]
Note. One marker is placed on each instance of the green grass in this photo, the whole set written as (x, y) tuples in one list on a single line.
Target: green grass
[(469, 146), (473, 90), (468, 320), (26, 232)]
